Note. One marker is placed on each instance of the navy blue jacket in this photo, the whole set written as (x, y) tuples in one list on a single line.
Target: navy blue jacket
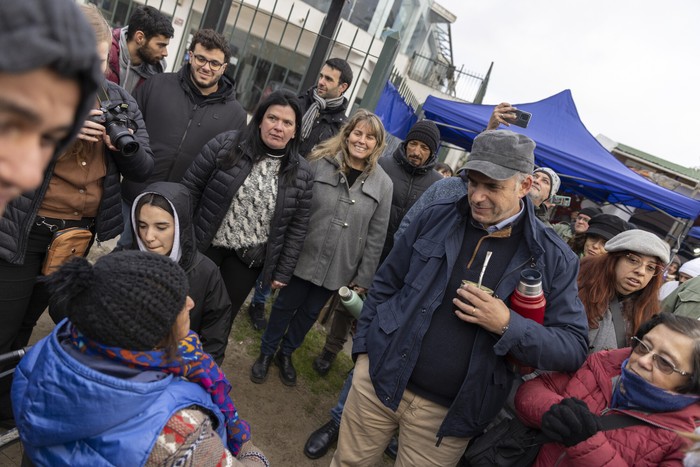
[(409, 286)]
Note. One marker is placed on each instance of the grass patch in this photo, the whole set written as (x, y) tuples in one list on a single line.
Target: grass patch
[(304, 356)]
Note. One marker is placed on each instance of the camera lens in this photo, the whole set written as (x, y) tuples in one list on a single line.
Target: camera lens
[(122, 139), (130, 148)]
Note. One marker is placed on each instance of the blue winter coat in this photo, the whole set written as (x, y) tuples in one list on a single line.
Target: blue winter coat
[(410, 286), (69, 414)]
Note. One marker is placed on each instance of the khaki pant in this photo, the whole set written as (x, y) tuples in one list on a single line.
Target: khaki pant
[(367, 426)]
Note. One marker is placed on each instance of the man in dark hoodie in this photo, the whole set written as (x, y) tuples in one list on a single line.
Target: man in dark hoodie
[(49, 72), (184, 110), (48, 77)]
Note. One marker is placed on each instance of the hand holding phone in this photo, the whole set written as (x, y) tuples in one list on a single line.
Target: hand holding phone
[(522, 118)]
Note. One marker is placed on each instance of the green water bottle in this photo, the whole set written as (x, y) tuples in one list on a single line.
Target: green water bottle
[(351, 301)]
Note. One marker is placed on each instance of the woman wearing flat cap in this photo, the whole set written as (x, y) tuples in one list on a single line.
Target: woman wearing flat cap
[(620, 288), (123, 380)]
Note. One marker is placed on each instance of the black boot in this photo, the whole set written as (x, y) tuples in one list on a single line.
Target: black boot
[(258, 374), (256, 311), (321, 440), (322, 363), (288, 374)]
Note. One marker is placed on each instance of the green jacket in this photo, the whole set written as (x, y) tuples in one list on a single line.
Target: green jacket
[(685, 300)]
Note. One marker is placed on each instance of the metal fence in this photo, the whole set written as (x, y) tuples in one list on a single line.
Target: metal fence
[(445, 77), (271, 46)]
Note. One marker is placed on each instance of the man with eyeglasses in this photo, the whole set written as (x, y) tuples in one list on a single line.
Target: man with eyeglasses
[(184, 110)]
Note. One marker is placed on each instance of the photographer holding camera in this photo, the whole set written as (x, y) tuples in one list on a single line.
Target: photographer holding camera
[(78, 200)]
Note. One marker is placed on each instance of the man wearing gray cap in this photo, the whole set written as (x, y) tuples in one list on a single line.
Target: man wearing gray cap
[(431, 354)]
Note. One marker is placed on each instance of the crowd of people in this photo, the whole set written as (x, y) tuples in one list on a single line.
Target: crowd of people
[(210, 205)]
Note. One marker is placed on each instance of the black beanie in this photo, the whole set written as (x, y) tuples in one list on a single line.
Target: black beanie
[(128, 299), (426, 132)]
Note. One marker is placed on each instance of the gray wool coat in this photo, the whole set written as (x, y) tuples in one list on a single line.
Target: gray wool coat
[(347, 226)]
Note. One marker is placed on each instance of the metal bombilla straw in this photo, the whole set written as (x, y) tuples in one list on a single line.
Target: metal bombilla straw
[(483, 268)]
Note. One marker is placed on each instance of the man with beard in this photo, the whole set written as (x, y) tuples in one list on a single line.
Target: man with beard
[(183, 111), (139, 49)]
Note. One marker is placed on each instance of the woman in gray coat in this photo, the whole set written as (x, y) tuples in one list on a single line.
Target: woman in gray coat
[(349, 217)]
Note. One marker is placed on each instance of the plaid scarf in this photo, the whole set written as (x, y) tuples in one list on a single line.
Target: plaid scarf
[(193, 363)]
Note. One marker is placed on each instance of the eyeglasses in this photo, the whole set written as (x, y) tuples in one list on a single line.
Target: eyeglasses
[(662, 363), (635, 261), (202, 61)]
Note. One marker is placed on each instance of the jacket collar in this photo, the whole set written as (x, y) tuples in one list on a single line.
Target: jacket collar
[(532, 232)]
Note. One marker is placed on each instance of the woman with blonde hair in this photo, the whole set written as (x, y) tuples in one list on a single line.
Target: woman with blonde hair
[(347, 226)]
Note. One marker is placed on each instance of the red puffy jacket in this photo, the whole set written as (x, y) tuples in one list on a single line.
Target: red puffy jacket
[(639, 445)]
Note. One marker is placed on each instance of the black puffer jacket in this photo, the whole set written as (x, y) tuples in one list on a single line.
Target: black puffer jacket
[(409, 183), (211, 316), (326, 125), (180, 123), (20, 213), (213, 189)]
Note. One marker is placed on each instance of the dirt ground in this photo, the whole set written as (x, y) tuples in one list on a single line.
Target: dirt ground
[(281, 418)]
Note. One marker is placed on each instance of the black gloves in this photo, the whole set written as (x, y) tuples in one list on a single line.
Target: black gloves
[(570, 422)]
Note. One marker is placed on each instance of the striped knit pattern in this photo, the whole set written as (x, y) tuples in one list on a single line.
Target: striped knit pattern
[(188, 439)]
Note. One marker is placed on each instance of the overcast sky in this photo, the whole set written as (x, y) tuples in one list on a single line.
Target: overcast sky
[(633, 67)]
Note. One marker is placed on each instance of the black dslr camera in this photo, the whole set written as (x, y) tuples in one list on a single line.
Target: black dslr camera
[(117, 124)]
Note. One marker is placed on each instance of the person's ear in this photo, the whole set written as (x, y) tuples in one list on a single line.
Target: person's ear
[(139, 38), (343, 87), (525, 186)]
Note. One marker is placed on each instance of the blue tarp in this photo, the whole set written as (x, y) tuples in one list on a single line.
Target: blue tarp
[(397, 116), (565, 145)]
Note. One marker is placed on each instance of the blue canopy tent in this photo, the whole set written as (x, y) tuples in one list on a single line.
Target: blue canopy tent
[(565, 145)]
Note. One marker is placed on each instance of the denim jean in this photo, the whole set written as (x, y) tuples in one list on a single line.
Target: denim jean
[(262, 291), (292, 316), (337, 411)]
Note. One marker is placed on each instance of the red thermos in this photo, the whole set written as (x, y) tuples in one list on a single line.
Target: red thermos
[(528, 298)]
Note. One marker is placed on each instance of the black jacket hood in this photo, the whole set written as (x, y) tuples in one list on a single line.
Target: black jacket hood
[(180, 198)]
